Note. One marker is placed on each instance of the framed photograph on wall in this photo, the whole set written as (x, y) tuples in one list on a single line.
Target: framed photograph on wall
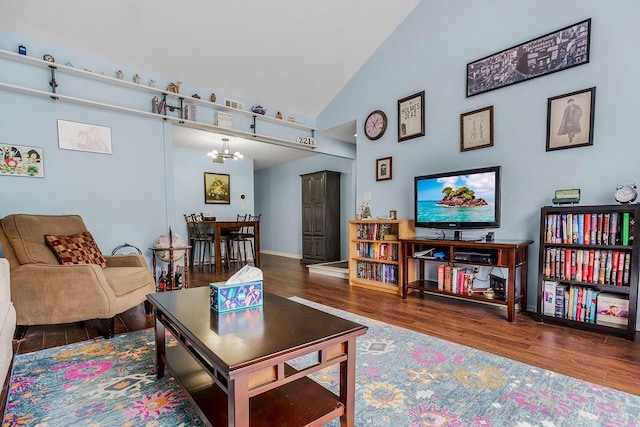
[(476, 129), (383, 169), (570, 119), (411, 117), (559, 50), (216, 189), (84, 137)]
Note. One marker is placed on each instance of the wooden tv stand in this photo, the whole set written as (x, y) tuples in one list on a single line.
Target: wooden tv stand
[(509, 254)]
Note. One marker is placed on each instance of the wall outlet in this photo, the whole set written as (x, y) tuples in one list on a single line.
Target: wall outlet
[(476, 270)]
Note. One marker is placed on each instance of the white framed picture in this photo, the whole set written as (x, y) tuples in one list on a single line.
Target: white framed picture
[(84, 137)]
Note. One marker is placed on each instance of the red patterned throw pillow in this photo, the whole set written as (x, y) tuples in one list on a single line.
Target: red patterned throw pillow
[(76, 249)]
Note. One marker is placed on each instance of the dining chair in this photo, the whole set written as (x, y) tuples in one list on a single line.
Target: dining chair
[(246, 234), (191, 236), (203, 240)]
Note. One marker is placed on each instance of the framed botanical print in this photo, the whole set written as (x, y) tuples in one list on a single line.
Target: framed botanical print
[(411, 117), (476, 129), (216, 189)]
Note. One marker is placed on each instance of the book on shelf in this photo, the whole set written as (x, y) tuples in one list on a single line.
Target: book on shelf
[(614, 268), (548, 237), (613, 230), (441, 269), (587, 229), (560, 303), (549, 298), (626, 271), (610, 228), (612, 309), (571, 302), (592, 305), (625, 228), (447, 278), (599, 229), (594, 229), (596, 266)]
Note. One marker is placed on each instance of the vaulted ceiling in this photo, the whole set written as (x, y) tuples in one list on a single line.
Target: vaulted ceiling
[(291, 55)]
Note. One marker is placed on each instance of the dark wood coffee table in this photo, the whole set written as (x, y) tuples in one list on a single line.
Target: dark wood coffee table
[(237, 367)]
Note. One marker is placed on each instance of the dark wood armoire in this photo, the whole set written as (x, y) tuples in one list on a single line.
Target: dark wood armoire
[(320, 216)]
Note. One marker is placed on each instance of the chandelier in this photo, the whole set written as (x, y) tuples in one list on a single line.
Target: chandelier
[(220, 157)]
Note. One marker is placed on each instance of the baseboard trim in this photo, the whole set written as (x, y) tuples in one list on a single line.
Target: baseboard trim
[(283, 254)]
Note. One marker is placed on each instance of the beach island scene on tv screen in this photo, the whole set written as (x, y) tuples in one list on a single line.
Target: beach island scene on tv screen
[(461, 198)]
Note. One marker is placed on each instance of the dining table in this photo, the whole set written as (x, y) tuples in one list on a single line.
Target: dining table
[(221, 227)]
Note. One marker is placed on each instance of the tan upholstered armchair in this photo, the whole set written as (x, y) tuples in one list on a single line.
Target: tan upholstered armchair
[(44, 291)]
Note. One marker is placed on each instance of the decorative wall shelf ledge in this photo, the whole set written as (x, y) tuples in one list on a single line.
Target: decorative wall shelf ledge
[(139, 87)]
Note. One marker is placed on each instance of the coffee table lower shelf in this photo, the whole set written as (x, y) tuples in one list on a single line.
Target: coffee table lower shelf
[(303, 402)]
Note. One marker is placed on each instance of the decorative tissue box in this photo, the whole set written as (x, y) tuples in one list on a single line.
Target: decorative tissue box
[(235, 297)]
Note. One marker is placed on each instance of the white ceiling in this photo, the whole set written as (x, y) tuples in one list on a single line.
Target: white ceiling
[(288, 55)]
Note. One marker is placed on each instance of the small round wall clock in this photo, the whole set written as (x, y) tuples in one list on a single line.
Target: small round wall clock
[(375, 125)]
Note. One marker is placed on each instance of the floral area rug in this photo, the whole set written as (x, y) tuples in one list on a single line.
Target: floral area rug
[(403, 379)]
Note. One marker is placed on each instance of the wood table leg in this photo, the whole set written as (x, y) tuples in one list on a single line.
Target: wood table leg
[(160, 347), (348, 385), (238, 402)]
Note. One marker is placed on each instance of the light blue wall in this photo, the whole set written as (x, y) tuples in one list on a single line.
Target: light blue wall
[(189, 167), (430, 51), (140, 190), (279, 199)]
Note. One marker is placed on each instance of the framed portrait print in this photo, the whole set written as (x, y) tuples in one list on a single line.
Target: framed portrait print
[(411, 117), (383, 169), (476, 129), (570, 119), (216, 189), (84, 137)]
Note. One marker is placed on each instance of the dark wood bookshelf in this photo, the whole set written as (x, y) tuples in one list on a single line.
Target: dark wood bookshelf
[(553, 237)]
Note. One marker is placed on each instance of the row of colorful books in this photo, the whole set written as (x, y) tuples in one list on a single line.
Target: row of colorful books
[(584, 304), (457, 280), (373, 231), (385, 273), (386, 251), (605, 267), (612, 228)]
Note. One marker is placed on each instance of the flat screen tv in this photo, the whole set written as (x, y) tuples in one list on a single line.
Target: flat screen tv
[(459, 200)]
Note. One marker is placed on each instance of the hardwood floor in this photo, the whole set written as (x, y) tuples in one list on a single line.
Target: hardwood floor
[(602, 359)]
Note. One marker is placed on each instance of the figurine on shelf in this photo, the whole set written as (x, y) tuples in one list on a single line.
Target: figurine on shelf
[(152, 83), (279, 115), (136, 79), (196, 96), (22, 50), (174, 87), (258, 109), (119, 74), (365, 211), (213, 97), (155, 105)]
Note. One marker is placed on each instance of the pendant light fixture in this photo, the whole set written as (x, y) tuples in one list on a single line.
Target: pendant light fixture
[(221, 156)]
